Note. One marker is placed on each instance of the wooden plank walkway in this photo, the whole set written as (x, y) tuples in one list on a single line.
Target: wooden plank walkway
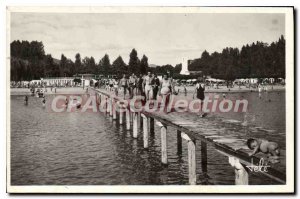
[(227, 141)]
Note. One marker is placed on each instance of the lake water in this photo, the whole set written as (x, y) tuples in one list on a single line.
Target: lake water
[(91, 149)]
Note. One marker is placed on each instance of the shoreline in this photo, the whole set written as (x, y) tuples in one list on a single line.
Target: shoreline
[(62, 90)]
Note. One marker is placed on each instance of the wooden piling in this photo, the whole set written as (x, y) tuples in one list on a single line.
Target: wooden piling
[(179, 143), (145, 131), (131, 117), (191, 158), (141, 120), (135, 124), (121, 113), (151, 123), (163, 133), (192, 162), (127, 119), (204, 157), (111, 107), (241, 174), (107, 105), (114, 111)]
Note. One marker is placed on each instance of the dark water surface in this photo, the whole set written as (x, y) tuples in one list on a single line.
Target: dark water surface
[(92, 149)]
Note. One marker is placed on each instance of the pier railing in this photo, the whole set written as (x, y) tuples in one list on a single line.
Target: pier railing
[(238, 158)]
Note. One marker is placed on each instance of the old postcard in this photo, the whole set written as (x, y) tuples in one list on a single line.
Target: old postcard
[(130, 99)]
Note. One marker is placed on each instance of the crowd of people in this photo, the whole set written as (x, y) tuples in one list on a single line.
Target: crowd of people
[(149, 86)]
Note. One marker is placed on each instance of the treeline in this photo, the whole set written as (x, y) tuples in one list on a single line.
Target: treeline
[(257, 60), (29, 61)]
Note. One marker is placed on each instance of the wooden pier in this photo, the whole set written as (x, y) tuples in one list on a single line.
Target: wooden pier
[(195, 132)]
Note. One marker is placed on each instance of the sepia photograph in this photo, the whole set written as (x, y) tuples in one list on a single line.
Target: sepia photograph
[(130, 99)]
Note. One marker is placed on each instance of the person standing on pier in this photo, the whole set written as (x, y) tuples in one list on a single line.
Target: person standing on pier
[(148, 86), (124, 84), (199, 89), (165, 91), (139, 85), (132, 85), (156, 84), (116, 87)]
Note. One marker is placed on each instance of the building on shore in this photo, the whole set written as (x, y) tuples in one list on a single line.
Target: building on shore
[(76, 80), (57, 81)]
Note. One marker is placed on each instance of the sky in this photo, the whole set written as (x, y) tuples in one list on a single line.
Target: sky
[(163, 38)]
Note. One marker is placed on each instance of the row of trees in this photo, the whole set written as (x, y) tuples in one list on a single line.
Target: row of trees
[(256, 60), (29, 61)]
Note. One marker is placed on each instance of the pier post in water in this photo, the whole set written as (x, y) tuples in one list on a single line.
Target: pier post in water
[(135, 124), (241, 174), (110, 106), (204, 157), (127, 119), (163, 133), (121, 113), (179, 143), (145, 131), (131, 117), (140, 120), (151, 123), (107, 104), (191, 159), (114, 111)]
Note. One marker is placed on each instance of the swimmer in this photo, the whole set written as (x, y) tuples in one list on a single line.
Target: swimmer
[(67, 102), (26, 100), (264, 146), (44, 101)]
